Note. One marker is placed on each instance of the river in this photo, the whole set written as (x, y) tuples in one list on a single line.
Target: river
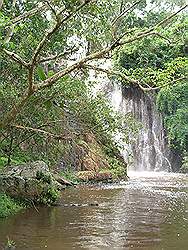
[(149, 212)]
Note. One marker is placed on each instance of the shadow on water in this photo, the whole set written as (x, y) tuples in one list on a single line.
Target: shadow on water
[(150, 212)]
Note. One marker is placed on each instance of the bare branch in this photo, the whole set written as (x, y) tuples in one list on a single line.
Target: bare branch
[(110, 72), (171, 16), (13, 56), (30, 80), (163, 37), (1, 4), (50, 81), (148, 31), (11, 28), (136, 37), (52, 9)]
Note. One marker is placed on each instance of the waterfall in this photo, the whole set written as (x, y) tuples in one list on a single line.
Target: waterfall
[(150, 149)]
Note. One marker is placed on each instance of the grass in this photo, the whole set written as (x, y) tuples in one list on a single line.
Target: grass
[(8, 206)]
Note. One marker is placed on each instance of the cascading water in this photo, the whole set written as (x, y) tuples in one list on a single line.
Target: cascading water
[(150, 150)]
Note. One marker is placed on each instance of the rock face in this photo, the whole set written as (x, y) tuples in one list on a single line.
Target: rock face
[(85, 154), (32, 181), (92, 160)]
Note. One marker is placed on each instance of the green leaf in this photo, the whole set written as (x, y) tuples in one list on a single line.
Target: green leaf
[(41, 74)]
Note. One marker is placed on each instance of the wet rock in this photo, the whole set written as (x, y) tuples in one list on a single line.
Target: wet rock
[(94, 204)]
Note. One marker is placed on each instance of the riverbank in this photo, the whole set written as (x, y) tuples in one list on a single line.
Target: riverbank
[(33, 184)]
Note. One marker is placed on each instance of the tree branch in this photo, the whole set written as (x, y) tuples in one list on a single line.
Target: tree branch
[(1, 4), (124, 12), (163, 37), (13, 56), (110, 72), (171, 16), (135, 82), (11, 28), (42, 131), (51, 31), (54, 57), (97, 55)]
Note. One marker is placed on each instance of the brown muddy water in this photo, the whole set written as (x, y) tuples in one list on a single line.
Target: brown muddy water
[(149, 212)]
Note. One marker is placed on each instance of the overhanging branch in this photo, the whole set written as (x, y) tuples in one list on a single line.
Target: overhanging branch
[(51, 31), (132, 81)]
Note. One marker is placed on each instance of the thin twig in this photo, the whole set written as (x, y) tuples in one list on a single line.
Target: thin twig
[(124, 12)]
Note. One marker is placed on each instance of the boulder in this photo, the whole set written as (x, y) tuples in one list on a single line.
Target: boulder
[(93, 176), (31, 181)]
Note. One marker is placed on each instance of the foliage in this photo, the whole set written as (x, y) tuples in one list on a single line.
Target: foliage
[(50, 196), (51, 193), (184, 167), (8, 206), (173, 102), (46, 178), (117, 168), (116, 162), (156, 61)]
